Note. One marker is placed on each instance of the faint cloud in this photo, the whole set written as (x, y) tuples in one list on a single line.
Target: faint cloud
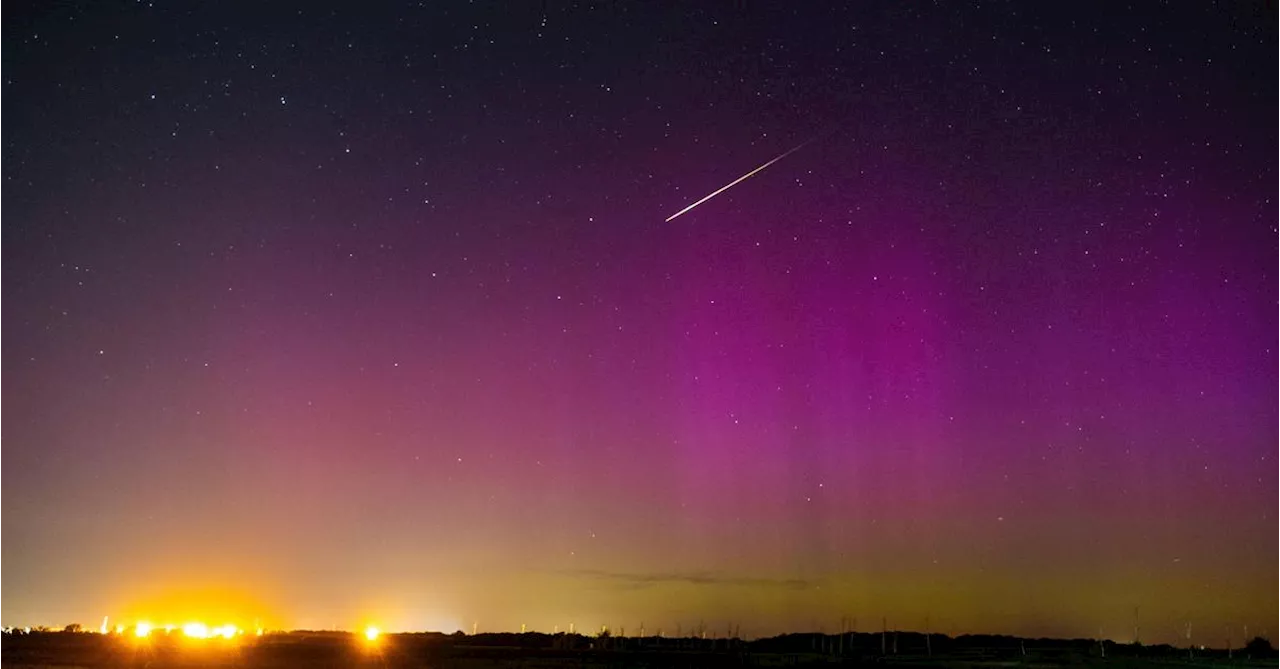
[(644, 580)]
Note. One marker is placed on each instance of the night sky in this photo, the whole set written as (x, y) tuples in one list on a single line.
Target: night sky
[(335, 316)]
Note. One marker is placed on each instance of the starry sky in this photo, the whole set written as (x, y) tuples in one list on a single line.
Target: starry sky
[(324, 316)]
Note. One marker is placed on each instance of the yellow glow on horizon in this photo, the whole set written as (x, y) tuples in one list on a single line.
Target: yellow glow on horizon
[(142, 629), (371, 633), (199, 630), (197, 598)]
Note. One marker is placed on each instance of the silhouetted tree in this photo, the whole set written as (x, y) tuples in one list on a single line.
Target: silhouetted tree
[(1259, 647), (73, 628)]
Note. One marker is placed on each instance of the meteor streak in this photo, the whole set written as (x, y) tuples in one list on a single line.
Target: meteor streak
[(735, 182)]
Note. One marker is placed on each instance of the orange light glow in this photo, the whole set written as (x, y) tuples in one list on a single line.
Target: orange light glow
[(198, 630), (371, 633), (142, 629), (213, 605)]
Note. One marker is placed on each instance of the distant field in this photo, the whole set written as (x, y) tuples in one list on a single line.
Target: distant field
[(333, 650)]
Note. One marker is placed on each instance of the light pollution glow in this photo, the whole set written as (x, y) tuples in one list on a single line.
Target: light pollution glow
[(143, 629)]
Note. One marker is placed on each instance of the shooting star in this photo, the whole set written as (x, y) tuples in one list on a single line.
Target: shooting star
[(735, 182)]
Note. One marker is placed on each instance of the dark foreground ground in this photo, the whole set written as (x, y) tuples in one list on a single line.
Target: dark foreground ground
[(323, 650)]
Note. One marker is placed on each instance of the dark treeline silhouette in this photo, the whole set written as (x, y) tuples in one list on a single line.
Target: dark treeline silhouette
[(859, 644), (344, 649), (1259, 647)]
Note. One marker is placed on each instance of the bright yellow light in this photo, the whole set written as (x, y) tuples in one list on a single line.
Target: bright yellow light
[(371, 633), (212, 605), (143, 628), (119, 629), (202, 631)]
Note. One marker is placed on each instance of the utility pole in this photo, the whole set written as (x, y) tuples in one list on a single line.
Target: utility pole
[(884, 633)]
